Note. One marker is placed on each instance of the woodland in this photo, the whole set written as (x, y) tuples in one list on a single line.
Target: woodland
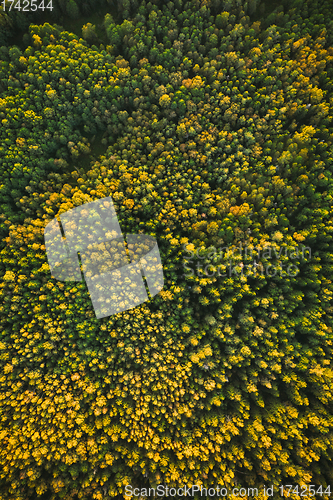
[(209, 123)]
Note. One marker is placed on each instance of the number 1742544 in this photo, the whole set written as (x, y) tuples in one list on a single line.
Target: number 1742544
[(309, 490), (26, 5)]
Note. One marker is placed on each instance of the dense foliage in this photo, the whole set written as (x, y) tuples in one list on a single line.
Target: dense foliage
[(208, 129), (17, 16)]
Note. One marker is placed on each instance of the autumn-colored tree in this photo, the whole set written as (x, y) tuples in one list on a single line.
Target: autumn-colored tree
[(211, 131)]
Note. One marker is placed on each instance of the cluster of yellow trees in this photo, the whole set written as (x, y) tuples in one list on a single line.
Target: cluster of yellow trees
[(209, 130)]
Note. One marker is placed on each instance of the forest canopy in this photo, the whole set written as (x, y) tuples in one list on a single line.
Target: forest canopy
[(209, 123)]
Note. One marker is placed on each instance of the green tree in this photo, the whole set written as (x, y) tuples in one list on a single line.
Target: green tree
[(89, 33), (72, 9)]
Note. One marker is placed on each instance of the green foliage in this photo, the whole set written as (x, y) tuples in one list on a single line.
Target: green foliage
[(72, 9), (208, 130), (89, 32)]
